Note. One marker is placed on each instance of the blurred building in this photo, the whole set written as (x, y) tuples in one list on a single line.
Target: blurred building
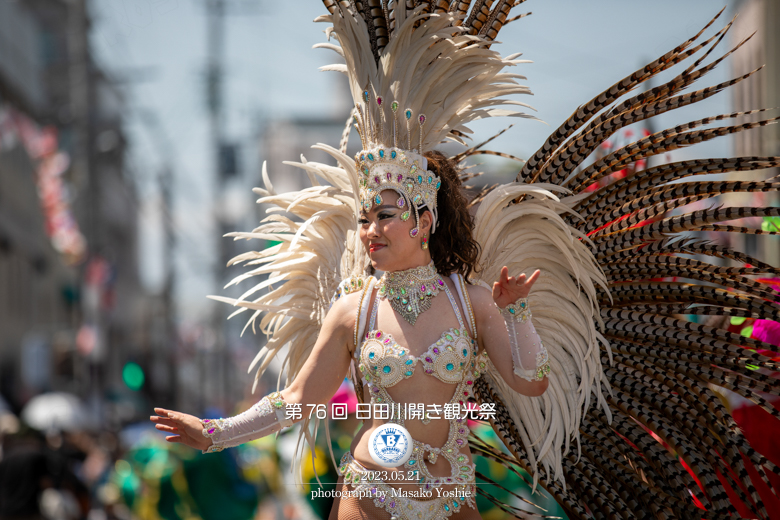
[(760, 91), (70, 296)]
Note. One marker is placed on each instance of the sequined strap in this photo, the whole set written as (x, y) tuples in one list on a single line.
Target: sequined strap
[(465, 301), (362, 315)]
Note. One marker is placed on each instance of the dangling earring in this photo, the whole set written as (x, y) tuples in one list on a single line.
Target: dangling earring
[(425, 241)]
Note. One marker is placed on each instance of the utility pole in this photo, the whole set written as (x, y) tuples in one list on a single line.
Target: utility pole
[(214, 100), (84, 178), (170, 335)]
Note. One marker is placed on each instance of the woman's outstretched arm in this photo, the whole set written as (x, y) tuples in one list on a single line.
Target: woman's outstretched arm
[(509, 338), (319, 378)]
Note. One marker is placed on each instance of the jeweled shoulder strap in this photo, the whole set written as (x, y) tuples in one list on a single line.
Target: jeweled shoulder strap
[(465, 301), (360, 324)]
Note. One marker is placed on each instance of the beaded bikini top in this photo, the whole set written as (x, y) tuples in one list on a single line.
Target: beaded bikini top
[(385, 363)]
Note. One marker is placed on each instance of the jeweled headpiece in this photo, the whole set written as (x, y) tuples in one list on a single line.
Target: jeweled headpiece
[(418, 74), (401, 171)]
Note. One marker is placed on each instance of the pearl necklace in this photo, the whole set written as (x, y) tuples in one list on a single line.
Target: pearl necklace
[(410, 292)]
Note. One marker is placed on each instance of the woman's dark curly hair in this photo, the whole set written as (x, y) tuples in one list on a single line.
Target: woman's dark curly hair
[(453, 248)]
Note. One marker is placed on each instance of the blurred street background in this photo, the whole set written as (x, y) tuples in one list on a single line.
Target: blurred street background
[(131, 134)]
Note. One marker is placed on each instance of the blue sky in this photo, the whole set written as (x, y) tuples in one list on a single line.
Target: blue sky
[(578, 48)]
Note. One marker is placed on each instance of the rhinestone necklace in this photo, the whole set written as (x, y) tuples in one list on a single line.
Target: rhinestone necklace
[(410, 292)]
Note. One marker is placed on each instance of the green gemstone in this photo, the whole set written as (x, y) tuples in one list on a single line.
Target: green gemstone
[(404, 301), (403, 291), (461, 459), (457, 332), (449, 337), (464, 468), (409, 308)]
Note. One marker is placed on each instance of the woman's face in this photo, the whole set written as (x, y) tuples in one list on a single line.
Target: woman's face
[(386, 237)]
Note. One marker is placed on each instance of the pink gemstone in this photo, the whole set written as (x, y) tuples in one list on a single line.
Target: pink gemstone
[(441, 282), (389, 175), (206, 420), (368, 335), (466, 393), (378, 335), (375, 389), (387, 340), (428, 359), (414, 232), (400, 177), (379, 100), (461, 403), (376, 179), (392, 504), (212, 430), (469, 382), (422, 288), (461, 431), (422, 118), (460, 442), (436, 350), (428, 371)]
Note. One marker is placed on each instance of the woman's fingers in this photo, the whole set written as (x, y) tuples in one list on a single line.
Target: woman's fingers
[(162, 420), (165, 428), (173, 438), (533, 278)]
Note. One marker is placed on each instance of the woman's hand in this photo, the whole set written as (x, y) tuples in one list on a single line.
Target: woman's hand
[(186, 429), (508, 289)]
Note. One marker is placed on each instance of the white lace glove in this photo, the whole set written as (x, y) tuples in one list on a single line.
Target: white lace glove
[(265, 417), (529, 356)]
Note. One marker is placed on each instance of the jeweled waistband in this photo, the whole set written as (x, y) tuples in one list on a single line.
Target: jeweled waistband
[(430, 504)]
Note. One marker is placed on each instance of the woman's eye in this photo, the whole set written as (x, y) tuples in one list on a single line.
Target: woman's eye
[(386, 215), (363, 221)]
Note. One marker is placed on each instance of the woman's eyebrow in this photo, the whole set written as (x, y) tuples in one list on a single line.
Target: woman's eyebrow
[(383, 206)]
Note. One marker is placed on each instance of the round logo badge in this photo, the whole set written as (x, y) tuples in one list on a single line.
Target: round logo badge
[(390, 445)]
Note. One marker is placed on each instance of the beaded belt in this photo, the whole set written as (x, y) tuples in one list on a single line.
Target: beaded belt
[(397, 502)]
